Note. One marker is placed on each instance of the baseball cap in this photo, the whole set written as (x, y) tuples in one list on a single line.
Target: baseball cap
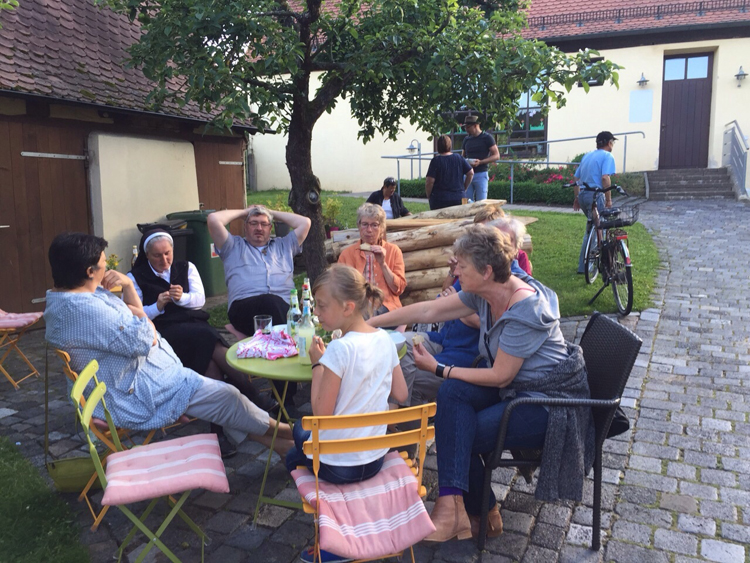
[(605, 137)]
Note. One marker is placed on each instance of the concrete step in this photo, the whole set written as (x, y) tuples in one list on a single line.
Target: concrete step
[(671, 196), (691, 184), (689, 172)]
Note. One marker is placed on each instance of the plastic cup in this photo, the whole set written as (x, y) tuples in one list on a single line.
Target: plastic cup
[(263, 323)]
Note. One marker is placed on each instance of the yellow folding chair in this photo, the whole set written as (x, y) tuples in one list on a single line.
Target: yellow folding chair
[(154, 471), (100, 428), (12, 327), (317, 447)]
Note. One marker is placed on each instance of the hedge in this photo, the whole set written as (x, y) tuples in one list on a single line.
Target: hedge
[(523, 192)]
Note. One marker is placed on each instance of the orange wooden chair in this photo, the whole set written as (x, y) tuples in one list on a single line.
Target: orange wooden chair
[(12, 328)]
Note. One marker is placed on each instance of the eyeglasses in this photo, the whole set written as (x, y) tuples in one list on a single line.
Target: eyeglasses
[(254, 224), (369, 225)]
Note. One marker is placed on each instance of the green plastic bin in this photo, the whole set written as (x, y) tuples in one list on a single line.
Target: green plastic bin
[(200, 251)]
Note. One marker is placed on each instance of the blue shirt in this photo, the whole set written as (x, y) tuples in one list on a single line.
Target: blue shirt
[(448, 172), (147, 385), (593, 166), (250, 271)]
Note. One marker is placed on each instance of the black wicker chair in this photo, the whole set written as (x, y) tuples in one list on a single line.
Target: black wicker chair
[(610, 351)]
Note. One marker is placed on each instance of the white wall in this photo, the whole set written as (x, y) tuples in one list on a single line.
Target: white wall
[(340, 160), (137, 180), (606, 108)]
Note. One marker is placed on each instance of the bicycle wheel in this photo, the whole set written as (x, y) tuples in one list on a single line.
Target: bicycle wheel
[(591, 258), (622, 278)]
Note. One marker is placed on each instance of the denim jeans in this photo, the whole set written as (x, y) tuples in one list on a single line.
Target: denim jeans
[(338, 475), (585, 198), (466, 425), (477, 190)]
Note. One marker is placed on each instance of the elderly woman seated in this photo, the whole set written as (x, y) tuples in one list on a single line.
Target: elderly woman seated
[(527, 356), (380, 261), (172, 295), (147, 385)]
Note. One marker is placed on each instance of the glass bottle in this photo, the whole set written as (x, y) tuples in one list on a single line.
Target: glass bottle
[(134, 257), (293, 316), (305, 333)]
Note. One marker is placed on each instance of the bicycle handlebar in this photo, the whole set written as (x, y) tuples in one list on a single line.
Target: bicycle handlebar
[(597, 189)]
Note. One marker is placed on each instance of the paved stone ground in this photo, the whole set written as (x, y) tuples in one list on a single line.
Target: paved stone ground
[(676, 488)]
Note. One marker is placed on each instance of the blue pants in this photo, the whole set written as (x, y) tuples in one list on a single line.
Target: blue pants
[(331, 473), (466, 425), (585, 198), (477, 190)]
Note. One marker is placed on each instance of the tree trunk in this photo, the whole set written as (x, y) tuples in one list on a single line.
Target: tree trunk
[(422, 279), (304, 198)]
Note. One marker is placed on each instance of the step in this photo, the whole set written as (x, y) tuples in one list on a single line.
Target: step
[(672, 196), (685, 183), (686, 171), (698, 187)]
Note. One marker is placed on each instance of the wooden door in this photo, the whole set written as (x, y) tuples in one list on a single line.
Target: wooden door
[(220, 170), (685, 111), (39, 198)]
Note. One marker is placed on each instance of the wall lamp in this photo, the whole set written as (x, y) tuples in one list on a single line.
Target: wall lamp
[(412, 148), (740, 76), (642, 81)]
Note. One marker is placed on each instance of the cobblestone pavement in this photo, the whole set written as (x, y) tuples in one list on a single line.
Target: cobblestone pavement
[(676, 488)]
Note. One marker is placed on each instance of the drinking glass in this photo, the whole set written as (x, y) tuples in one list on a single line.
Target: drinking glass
[(263, 323)]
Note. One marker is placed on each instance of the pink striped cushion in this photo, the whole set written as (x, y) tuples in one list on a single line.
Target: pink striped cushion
[(17, 320), (165, 468), (370, 519)]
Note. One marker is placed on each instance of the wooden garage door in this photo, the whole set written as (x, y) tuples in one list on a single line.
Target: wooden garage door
[(39, 198), (221, 176)]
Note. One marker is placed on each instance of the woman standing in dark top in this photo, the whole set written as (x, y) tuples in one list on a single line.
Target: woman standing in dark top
[(387, 198), (448, 176), (173, 296)]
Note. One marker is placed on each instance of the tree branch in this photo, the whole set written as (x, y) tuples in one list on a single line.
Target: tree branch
[(322, 66)]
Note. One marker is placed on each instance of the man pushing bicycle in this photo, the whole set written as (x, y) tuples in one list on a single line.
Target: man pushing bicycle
[(595, 170)]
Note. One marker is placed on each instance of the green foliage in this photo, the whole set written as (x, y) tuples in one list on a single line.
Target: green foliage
[(35, 524), (113, 260), (523, 191), (332, 211), (632, 182), (394, 59)]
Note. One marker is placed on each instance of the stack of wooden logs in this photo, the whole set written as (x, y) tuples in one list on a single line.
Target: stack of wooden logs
[(426, 240)]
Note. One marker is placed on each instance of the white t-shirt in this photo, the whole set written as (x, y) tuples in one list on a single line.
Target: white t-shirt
[(365, 364), (387, 208)]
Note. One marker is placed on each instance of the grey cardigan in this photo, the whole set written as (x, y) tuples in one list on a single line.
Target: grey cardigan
[(568, 452)]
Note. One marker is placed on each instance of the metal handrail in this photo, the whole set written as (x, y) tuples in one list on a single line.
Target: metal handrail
[(426, 156), (734, 155), (739, 130)]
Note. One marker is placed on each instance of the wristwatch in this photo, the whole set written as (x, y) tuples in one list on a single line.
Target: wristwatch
[(439, 370)]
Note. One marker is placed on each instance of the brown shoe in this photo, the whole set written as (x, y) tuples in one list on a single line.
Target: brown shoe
[(450, 519), (494, 523)]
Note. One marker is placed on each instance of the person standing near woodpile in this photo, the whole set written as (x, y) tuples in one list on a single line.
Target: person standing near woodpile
[(480, 150), (448, 176)]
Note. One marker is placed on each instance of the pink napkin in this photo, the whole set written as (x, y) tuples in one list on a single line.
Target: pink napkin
[(268, 346)]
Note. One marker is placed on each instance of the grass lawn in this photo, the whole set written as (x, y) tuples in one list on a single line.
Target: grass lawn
[(557, 242), (35, 524)]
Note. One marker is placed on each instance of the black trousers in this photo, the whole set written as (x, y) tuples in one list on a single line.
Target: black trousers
[(242, 313)]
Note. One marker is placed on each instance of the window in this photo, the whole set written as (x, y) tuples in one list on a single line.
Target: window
[(681, 68)]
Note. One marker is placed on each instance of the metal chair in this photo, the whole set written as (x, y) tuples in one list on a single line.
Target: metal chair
[(101, 430), (316, 448), (12, 327), (610, 350), (154, 472)]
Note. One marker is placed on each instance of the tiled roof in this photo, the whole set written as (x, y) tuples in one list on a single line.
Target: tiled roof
[(579, 18), (73, 50)]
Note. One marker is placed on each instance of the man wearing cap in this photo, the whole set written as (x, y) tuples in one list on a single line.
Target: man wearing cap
[(479, 149), (387, 198), (595, 170)]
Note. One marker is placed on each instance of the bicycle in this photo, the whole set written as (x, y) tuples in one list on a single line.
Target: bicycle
[(607, 249)]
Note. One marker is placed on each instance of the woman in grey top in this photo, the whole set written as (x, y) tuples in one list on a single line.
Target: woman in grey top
[(520, 339)]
